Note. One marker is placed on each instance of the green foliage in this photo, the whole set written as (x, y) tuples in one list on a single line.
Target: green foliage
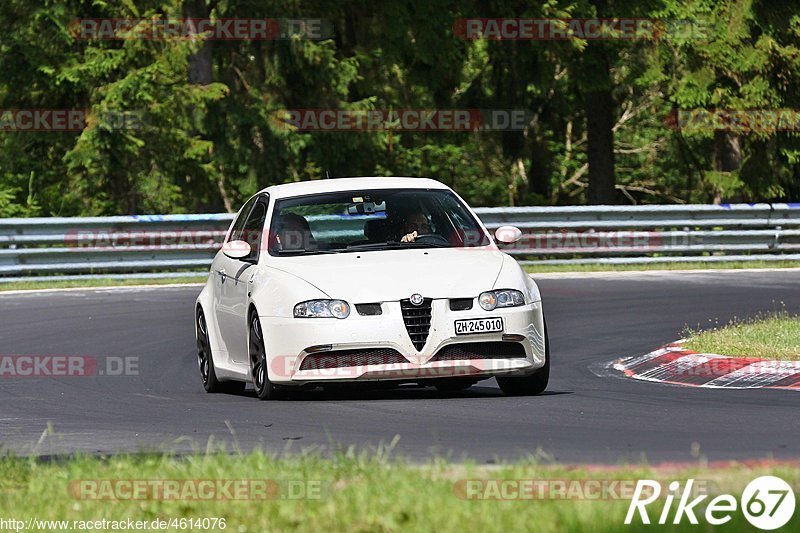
[(156, 142)]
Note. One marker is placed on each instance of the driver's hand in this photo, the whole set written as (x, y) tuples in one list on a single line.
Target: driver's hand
[(411, 237)]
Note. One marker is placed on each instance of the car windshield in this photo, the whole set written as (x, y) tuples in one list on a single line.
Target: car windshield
[(369, 220)]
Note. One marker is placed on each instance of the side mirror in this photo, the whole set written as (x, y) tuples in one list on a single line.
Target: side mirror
[(507, 234), (236, 249)]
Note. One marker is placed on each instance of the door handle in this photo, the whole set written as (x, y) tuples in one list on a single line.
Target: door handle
[(252, 278), (222, 274)]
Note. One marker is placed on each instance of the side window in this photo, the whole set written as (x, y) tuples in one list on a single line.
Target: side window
[(238, 224), (253, 231)]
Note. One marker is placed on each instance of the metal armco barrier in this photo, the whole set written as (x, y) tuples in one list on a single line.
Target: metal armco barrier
[(651, 233), (139, 246)]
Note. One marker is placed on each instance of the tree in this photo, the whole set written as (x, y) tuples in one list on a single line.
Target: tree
[(740, 58)]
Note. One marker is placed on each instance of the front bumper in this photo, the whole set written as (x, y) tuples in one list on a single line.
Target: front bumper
[(290, 340)]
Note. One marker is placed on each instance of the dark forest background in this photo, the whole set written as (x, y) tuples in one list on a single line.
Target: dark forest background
[(598, 130)]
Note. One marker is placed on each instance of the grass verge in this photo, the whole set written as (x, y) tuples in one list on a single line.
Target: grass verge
[(355, 493), (773, 335), (694, 265), (96, 282)]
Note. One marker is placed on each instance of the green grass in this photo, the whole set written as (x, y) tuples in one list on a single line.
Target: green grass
[(694, 265), (357, 493), (96, 282), (774, 335)]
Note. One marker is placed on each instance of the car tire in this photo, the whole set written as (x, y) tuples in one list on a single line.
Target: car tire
[(264, 388), (454, 385), (205, 361), (529, 385)]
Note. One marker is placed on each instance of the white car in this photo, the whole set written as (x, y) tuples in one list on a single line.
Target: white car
[(367, 280)]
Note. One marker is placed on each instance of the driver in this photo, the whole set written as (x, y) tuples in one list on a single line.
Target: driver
[(294, 233), (413, 225)]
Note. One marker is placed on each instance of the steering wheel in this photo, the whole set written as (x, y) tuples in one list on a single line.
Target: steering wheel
[(431, 238)]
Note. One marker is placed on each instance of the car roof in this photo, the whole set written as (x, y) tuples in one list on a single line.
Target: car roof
[(287, 190)]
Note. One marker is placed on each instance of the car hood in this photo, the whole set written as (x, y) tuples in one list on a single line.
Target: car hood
[(381, 276)]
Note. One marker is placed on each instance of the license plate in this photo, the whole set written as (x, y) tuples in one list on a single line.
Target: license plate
[(478, 325)]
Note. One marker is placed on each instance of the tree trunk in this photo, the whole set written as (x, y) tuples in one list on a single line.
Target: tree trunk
[(201, 66), (599, 109), (541, 169), (727, 156)]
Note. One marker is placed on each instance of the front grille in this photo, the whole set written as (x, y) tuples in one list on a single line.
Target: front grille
[(480, 350), (418, 321), (461, 304), (344, 358)]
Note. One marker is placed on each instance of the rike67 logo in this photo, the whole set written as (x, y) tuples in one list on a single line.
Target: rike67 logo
[(767, 502)]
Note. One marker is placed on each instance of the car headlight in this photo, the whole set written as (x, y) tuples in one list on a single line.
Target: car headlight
[(322, 309), (503, 298)]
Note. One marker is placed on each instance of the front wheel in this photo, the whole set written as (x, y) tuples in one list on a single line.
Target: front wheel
[(533, 384), (205, 361), (265, 390)]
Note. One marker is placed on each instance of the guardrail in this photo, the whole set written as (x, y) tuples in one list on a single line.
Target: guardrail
[(652, 233), (145, 246)]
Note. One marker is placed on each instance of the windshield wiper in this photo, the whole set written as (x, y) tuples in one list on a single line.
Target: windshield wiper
[(305, 252), (373, 246), (425, 245), (394, 245)]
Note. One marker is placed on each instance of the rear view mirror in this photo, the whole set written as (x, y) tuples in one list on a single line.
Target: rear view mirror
[(366, 207), (508, 234), (236, 249)]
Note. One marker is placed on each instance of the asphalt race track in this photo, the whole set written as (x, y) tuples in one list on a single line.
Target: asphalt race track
[(582, 418)]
